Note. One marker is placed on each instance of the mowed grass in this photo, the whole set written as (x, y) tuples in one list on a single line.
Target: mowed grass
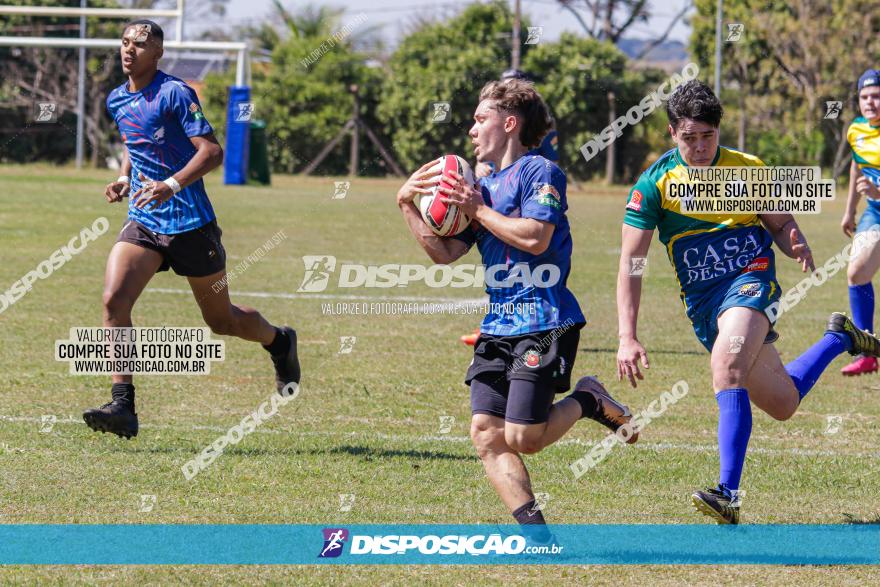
[(368, 423)]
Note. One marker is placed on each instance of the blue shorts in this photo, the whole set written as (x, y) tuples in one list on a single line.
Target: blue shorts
[(756, 289), (870, 216)]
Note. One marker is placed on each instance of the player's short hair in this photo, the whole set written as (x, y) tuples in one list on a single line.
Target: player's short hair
[(155, 30), (519, 97), (694, 100)]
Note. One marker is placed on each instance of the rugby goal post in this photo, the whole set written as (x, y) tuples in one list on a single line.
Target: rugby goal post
[(237, 130)]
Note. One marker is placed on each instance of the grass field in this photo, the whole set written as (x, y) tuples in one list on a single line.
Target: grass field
[(367, 423)]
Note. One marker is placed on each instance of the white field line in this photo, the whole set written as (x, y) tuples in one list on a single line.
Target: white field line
[(656, 446), (319, 296)]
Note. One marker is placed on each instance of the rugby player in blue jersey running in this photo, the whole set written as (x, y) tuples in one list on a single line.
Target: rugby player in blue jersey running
[(546, 149), (169, 147), (726, 269), (528, 340)]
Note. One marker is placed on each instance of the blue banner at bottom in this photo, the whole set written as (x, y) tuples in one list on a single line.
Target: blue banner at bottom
[(438, 544)]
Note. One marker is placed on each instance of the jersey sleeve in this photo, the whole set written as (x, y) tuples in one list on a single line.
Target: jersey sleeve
[(643, 206), (187, 110), (542, 189)]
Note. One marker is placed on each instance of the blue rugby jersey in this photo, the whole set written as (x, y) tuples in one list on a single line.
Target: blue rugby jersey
[(156, 124), (530, 187)]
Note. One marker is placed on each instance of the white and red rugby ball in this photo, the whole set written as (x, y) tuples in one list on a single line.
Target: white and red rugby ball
[(446, 219)]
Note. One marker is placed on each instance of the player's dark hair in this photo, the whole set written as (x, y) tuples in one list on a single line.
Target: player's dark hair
[(155, 30), (519, 97), (694, 100)]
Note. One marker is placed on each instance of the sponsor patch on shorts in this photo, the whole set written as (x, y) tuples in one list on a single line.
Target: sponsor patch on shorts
[(753, 290)]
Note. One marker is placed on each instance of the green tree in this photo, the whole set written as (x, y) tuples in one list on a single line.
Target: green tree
[(443, 62), (576, 77), (791, 59), (301, 87), (29, 75)]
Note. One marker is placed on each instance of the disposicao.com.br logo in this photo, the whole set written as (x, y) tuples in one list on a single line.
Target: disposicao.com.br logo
[(319, 269), (334, 540)]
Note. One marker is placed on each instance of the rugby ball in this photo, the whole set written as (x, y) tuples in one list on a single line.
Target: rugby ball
[(446, 219)]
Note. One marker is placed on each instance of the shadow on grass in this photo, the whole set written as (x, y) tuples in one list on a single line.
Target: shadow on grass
[(366, 452), (851, 519), (650, 352)]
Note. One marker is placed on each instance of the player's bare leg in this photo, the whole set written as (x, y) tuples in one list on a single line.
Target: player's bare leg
[(503, 465), (532, 438), (770, 386), (225, 318), (129, 269), (859, 273), (594, 403), (744, 368)]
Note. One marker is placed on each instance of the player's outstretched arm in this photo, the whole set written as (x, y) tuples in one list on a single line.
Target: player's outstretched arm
[(788, 237), (633, 255), (440, 249), (116, 190), (848, 224)]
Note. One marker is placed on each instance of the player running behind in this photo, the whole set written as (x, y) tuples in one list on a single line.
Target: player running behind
[(169, 147), (525, 352), (863, 136), (726, 269)]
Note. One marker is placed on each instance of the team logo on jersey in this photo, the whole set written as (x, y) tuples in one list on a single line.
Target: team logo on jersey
[(860, 141), (159, 135), (759, 264), (196, 111), (547, 195), (532, 359), (752, 290), (635, 203)]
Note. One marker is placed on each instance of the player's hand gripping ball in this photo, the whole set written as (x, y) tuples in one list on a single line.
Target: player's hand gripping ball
[(439, 212)]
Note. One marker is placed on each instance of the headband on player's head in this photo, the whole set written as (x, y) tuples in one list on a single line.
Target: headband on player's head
[(871, 77)]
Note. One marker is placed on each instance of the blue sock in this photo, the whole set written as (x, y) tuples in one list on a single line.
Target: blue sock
[(806, 369), (734, 429), (861, 302)]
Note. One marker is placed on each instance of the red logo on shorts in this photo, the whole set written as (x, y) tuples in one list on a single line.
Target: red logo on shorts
[(635, 203), (532, 359), (759, 264)]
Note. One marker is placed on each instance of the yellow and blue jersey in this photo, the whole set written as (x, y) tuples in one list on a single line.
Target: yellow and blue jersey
[(530, 187), (864, 141), (707, 252), (156, 124)]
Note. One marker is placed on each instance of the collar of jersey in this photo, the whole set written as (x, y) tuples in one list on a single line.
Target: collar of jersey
[(680, 160), (497, 173), (862, 120), (155, 79)]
